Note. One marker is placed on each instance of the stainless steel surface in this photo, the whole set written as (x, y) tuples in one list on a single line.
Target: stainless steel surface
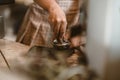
[(61, 46), (2, 32)]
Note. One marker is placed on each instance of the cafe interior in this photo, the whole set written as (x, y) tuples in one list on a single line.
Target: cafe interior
[(99, 53)]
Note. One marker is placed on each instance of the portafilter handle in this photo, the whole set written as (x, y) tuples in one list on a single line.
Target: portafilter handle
[(61, 45)]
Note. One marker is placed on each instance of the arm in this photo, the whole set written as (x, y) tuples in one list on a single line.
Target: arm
[(47, 4), (56, 16)]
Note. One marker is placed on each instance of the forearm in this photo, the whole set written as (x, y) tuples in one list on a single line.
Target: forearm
[(57, 17), (47, 4)]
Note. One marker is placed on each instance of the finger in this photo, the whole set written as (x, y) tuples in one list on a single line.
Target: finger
[(57, 29), (55, 25), (52, 25), (63, 29), (51, 22), (66, 36)]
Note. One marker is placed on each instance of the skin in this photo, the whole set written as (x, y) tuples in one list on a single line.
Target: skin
[(57, 17), (58, 20)]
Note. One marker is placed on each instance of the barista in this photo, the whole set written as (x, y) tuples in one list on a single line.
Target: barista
[(46, 20)]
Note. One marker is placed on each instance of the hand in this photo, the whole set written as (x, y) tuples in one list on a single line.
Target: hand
[(58, 20)]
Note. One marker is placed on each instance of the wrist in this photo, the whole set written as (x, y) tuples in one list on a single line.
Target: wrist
[(53, 6)]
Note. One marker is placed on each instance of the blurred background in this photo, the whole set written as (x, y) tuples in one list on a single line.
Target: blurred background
[(13, 15), (103, 35)]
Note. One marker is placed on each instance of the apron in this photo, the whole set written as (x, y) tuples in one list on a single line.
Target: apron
[(36, 29)]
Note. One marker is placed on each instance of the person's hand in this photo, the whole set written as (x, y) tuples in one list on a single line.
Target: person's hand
[(58, 21)]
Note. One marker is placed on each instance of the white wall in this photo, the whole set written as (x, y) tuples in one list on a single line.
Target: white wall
[(103, 39), (96, 35), (113, 68)]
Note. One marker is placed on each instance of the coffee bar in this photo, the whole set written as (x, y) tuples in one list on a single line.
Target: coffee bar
[(88, 50)]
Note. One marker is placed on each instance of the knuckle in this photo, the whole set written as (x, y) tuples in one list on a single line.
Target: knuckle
[(58, 20), (64, 20), (61, 20)]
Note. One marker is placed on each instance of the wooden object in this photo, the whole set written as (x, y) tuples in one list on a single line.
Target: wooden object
[(11, 50)]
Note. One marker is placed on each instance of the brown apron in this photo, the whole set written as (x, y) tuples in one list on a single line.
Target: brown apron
[(36, 30)]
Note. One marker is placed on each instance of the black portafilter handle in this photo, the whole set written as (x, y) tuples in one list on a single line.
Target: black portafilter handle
[(6, 2), (61, 45)]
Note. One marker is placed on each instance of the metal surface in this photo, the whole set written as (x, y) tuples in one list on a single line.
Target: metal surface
[(61, 46)]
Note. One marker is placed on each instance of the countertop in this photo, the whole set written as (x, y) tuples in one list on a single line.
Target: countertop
[(12, 51)]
